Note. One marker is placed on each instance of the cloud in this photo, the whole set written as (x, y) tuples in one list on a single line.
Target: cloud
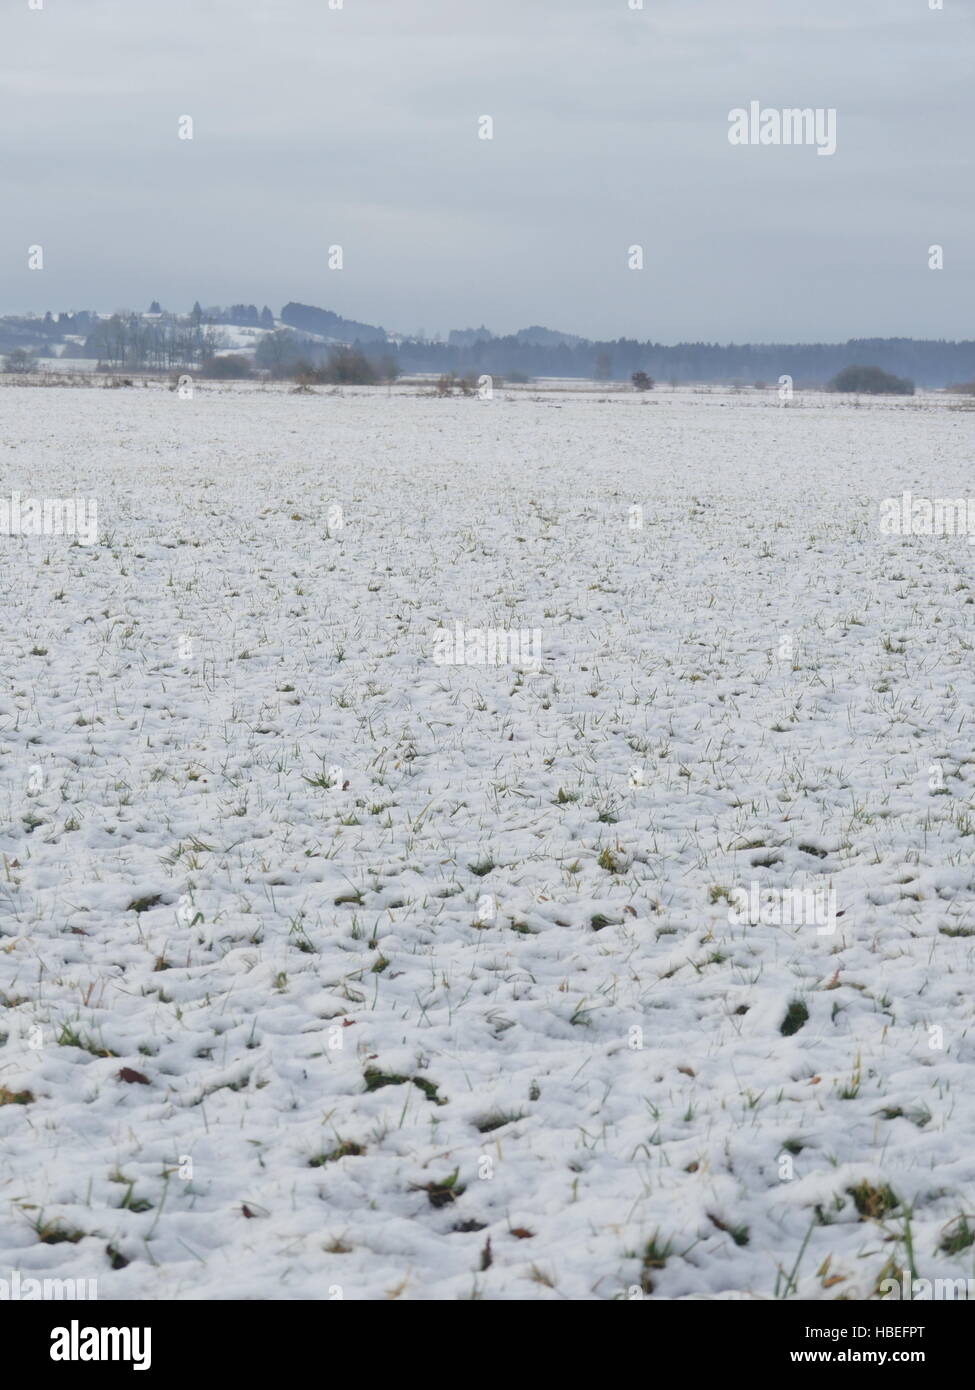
[(315, 125)]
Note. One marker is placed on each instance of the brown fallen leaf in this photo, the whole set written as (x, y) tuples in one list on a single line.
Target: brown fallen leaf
[(687, 1071), (134, 1077), (522, 1233)]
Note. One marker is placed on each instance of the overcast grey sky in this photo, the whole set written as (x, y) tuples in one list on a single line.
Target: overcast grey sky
[(358, 127)]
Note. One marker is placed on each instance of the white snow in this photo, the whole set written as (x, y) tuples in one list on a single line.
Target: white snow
[(175, 696)]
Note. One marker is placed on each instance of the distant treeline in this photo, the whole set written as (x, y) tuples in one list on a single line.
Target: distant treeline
[(928, 363), (160, 338)]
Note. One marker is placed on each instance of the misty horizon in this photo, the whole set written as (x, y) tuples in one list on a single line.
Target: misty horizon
[(522, 326)]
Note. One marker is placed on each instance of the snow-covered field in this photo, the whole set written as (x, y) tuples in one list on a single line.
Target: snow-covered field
[(480, 1022)]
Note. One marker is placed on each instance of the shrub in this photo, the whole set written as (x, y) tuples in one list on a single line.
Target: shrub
[(231, 367), (347, 366), (279, 353), (641, 381), (305, 374), (20, 361), (871, 381)]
